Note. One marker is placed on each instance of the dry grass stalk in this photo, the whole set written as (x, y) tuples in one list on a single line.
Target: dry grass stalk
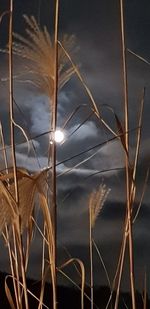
[(80, 263), (6, 235), (87, 90), (102, 262), (39, 51), (127, 163), (16, 227), (43, 268), (36, 185), (21, 285), (138, 56), (145, 293), (76, 285), (26, 184), (9, 295), (8, 207), (49, 69), (52, 149), (96, 202), (132, 198)]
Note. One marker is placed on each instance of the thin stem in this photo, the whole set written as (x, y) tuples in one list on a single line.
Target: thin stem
[(89, 94), (145, 293), (11, 119), (6, 228), (11, 100), (43, 266), (53, 155), (73, 260), (11, 111), (16, 266), (126, 116), (132, 197), (121, 263), (91, 257)]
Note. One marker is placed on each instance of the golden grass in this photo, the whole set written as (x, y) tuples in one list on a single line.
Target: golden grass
[(26, 184), (49, 66), (96, 202), (39, 51)]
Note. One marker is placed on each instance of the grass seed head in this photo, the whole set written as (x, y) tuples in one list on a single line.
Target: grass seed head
[(96, 202)]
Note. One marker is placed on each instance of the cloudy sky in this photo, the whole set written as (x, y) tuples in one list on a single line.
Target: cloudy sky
[(96, 27)]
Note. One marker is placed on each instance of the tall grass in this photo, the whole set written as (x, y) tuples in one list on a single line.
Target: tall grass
[(96, 202), (127, 157), (49, 66), (53, 200), (16, 228)]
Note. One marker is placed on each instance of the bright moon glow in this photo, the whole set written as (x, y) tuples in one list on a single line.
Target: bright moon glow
[(59, 136)]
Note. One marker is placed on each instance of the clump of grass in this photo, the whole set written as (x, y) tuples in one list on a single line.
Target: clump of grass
[(36, 185), (26, 183), (49, 66)]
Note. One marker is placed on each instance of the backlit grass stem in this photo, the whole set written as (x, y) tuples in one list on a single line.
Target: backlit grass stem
[(17, 228), (53, 153), (128, 180)]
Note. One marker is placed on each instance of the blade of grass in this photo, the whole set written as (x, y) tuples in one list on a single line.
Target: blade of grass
[(132, 196), (82, 276), (53, 155), (138, 56), (126, 117), (145, 293), (11, 111), (102, 261), (9, 295)]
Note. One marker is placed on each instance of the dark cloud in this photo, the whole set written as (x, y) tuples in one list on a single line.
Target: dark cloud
[(137, 26)]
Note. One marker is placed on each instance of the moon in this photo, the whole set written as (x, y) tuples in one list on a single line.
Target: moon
[(59, 136)]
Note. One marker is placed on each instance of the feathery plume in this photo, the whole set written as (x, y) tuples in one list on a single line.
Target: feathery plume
[(28, 187), (38, 50), (96, 202)]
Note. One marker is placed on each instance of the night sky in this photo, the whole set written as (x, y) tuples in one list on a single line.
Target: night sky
[(96, 26)]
